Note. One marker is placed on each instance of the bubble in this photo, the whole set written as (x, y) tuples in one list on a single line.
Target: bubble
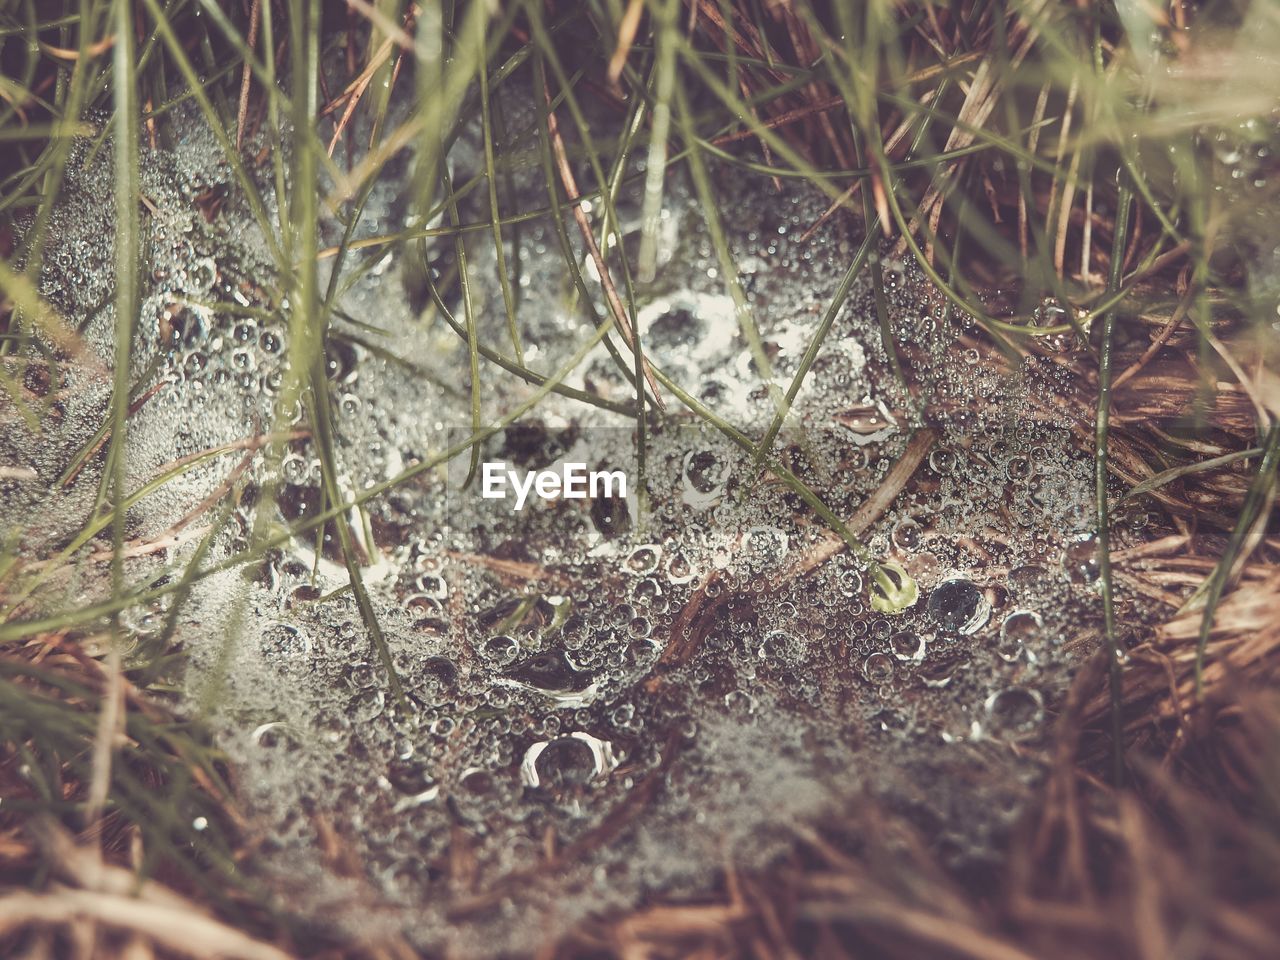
[(1080, 559), (907, 534), (878, 668), (1025, 580), (551, 673), (284, 642), (891, 721), (270, 342), (293, 468), (957, 605), (349, 405), (441, 671), (869, 423), (141, 621), (643, 652), (680, 569), (849, 582), (1018, 469), (566, 762), (907, 645), (498, 698), (779, 646), (428, 613), (477, 782), (433, 585), (1018, 629), (575, 631), (622, 715), (943, 461), (644, 559), (194, 364), (703, 476), (442, 726), (366, 705), (764, 547), (410, 776), (243, 360), (502, 650), (339, 361), (245, 331), (182, 327), (274, 736), (937, 672), (648, 590), (202, 273), (1014, 712), (1049, 313), (622, 614), (361, 676), (610, 516)]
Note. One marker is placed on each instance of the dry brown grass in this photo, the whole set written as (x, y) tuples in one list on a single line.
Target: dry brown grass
[(1184, 860)]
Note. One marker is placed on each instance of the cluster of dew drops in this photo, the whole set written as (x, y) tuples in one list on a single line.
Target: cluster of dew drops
[(540, 705)]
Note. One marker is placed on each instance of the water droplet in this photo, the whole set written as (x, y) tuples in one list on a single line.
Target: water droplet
[(907, 534), (1014, 712), (1019, 628), (957, 605), (339, 361), (1024, 581), (703, 478), (283, 642), (566, 762), (201, 275), (366, 705), (1080, 559), (764, 547), (780, 647), (501, 649), (1018, 469), (868, 423), (644, 559), (878, 668), (849, 582), (942, 461), (270, 342), (907, 645), (643, 652)]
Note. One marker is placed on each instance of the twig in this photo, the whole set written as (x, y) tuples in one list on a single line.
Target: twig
[(246, 74)]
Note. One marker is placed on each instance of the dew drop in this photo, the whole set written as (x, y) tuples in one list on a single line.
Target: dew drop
[(878, 668), (958, 606), (1014, 712), (942, 461), (1019, 628), (1080, 559)]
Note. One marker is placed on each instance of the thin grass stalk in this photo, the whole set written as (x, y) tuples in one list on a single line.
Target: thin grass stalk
[(1259, 494), (1101, 505), (495, 213), (665, 30)]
